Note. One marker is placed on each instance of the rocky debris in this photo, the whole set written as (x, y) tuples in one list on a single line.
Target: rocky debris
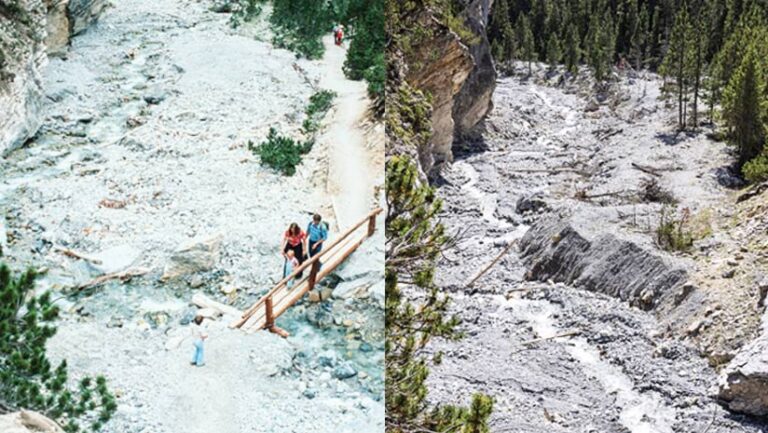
[(744, 381), (199, 255), (564, 251), (27, 422), (531, 203)]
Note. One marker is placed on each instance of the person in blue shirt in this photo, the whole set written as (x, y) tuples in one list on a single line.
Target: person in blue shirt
[(317, 231)]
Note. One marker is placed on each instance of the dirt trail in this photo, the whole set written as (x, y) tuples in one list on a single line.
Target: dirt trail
[(353, 165)]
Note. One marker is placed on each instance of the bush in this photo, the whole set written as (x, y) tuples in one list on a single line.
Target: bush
[(27, 378), (299, 26), (673, 234), (319, 104), (281, 153), (756, 170), (244, 11)]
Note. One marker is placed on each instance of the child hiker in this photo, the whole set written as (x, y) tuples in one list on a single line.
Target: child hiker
[(197, 358), (290, 264)]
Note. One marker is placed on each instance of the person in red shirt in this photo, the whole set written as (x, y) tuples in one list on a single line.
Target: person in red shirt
[(295, 240)]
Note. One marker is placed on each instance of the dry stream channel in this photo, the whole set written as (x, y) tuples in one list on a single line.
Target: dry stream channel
[(615, 371)]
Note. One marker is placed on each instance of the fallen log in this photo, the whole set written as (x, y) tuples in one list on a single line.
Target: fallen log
[(487, 268), (123, 276), (205, 302), (645, 169), (77, 255), (563, 334)]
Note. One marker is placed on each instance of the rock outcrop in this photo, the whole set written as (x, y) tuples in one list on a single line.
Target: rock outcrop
[(29, 32), (744, 382), (22, 58), (475, 99), (564, 251), (67, 18)]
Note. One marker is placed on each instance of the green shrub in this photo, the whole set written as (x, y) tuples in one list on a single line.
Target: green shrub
[(244, 11), (27, 378), (281, 153), (319, 104), (756, 170), (299, 26)]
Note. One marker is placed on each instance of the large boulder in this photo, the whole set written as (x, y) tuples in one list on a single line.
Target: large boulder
[(199, 255), (27, 422), (744, 382)]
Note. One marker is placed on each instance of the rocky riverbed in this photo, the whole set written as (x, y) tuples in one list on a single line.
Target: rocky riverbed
[(572, 330), (141, 166)]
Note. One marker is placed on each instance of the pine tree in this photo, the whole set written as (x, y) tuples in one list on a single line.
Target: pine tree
[(554, 53), (526, 44), (572, 49), (744, 107), (639, 38), (27, 378), (414, 239), (678, 59)]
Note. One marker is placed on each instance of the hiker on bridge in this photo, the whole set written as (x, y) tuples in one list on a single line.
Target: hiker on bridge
[(294, 240), (291, 263), (317, 231)]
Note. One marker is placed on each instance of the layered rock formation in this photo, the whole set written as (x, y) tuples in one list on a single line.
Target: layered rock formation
[(564, 251), (457, 73), (29, 32)]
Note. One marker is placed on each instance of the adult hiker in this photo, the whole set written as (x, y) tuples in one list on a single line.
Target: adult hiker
[(295, 240), (317, 232), (339, 34)]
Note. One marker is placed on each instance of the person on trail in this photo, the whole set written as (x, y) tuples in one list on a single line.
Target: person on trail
[(197, 358), (317, 232), (295, 240), (290, 264), (339, 35)]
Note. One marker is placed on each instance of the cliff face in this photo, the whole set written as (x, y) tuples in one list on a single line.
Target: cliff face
[(474, 100), (29, 32), (457, 73)]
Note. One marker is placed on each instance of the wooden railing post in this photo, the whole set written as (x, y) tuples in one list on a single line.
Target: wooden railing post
[(371, 225), (270, 317), (313, 274)]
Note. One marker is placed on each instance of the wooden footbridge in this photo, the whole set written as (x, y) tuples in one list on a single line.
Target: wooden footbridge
[(262, 314)]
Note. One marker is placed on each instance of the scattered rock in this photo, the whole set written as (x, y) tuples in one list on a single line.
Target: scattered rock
[(531, 203), (344, 371)]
